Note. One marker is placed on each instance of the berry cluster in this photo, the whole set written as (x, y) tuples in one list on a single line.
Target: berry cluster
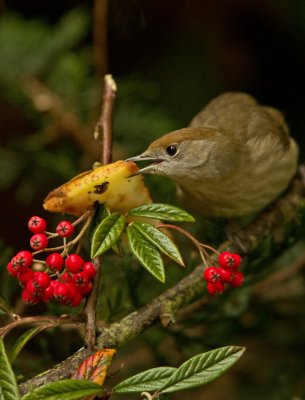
[(64, 278), (226, 272)]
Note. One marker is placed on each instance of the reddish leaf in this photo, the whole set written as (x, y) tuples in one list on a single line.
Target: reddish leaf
[(95, 367)]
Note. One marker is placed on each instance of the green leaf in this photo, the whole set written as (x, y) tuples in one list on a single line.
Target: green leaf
[(68, 389), (147, 254), (21, 342), (146, 381), (4, 306), (161, 211), (160, 240), (107, 233), (8, 384), (202, 368)]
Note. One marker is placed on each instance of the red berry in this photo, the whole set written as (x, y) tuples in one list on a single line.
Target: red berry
[(32, 289), (55, 261), (72, 289), (65, 229), (39, 241), (47, 294), (37, 224), (77, 299), (66, 277), (41, 280), (60, 291), (16, 265), (74, 263), (89, 269), (23, 259), (225, 274), (229, 260), (54, 282), (216, 288), (237, 259), (80, 279), (11, 270), (238, 279), (211, 274), (28, 299), (24, 275), (86, 289)]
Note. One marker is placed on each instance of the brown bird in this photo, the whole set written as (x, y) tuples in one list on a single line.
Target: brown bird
[(235, 157)]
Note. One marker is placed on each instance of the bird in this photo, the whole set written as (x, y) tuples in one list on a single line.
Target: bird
[(235, 157)]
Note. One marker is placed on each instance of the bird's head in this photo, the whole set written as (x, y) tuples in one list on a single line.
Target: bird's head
[(185, 154)]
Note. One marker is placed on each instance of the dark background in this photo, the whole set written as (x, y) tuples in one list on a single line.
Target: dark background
[(169, 58)]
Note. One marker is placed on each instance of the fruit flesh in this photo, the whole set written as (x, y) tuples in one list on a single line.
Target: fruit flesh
[(110, 184)]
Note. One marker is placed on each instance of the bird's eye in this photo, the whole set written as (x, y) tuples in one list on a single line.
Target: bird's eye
[(172, 150)]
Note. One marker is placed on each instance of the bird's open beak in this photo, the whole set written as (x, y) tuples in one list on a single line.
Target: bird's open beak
[(145, 157)]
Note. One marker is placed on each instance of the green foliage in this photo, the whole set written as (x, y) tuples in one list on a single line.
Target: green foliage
[(4, 307), (147, 254), (202, 368), (26, 37), (21, 342), (198, 370), (147, 381), (107, 234), (160, 240), (36, 49), (8, 384), (145, 240), (67, 389), (161, 211)]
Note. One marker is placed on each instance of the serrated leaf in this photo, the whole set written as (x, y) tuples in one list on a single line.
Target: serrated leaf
[(107, 233), (147, 254), (68, 389), (147, 381), (94, 368), (160, 240), (8, 384), (161, 211), (21, 342), (203, 368)]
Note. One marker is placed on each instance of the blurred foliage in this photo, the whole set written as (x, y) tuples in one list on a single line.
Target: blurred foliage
[(167, 61)]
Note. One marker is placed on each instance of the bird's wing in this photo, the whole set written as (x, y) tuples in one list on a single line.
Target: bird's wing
[(239, 114)]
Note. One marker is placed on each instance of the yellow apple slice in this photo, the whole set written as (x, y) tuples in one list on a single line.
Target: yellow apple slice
[(110, 184)]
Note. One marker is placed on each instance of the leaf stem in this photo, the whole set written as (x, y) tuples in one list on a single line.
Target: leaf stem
[(203, 254), (67, 246)]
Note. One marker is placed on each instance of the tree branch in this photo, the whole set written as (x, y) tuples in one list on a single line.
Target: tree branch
[(276, 224)]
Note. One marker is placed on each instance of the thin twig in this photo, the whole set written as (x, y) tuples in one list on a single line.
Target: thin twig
[(104, 124), (46, 321), (90, 308), (72, 242)]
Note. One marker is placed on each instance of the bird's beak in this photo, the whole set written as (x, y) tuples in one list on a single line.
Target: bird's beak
[(145, 157)]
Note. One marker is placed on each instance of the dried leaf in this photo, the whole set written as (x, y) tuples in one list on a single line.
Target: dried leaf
[(95, 367)]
